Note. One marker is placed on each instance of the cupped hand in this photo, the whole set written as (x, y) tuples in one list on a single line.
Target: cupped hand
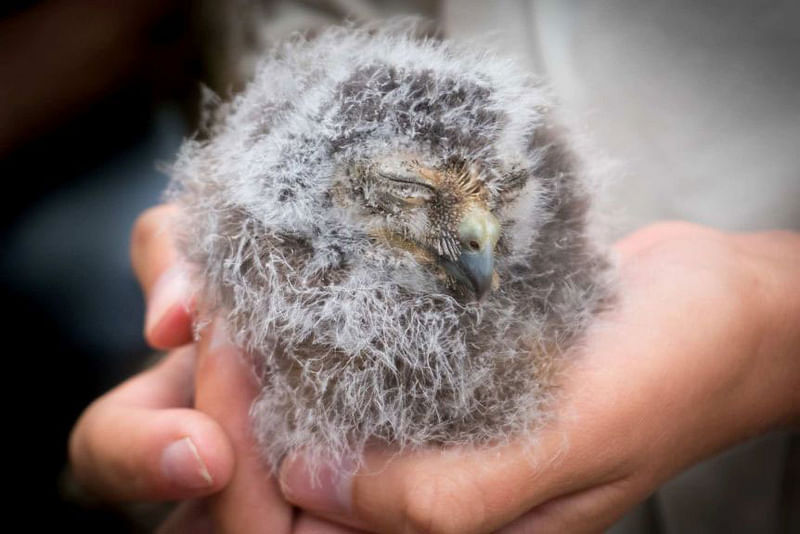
[(179, 431), (143, 440), (692, 358), (698, 353)]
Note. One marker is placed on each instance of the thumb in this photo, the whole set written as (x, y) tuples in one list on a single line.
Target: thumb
[(141, 441)]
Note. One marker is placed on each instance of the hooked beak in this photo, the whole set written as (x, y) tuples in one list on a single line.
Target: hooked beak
[(478, 233), (479, 270)]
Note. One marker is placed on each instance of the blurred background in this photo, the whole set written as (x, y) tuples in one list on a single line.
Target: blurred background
[(695, 107), (92, 95)]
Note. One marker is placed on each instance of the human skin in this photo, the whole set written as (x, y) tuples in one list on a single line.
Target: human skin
[(698, 353)]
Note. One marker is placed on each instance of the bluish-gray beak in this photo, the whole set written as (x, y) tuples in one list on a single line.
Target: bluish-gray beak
[(478, 268), (478, 233)]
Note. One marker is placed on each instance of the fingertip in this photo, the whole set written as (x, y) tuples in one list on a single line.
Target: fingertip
[(173, 329), (199, 460), (132, 453), (183, 464), (168, 321), (164, 278)]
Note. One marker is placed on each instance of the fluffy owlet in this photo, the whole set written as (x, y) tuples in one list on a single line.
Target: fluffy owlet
[(397, 234)]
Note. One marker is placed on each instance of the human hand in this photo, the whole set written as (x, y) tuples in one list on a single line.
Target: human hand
[(180, 430), (698, 354), (565, 481), (143, 440)]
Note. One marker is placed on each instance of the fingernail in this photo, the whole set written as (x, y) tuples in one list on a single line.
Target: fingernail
[(170, 290), (181, 463), (328, 490)]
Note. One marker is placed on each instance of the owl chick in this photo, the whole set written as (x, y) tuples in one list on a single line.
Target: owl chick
[(397, 235)]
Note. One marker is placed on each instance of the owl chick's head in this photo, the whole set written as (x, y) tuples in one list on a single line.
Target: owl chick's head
[(430, 157), (440, 214), (394, 226), (419, 147)]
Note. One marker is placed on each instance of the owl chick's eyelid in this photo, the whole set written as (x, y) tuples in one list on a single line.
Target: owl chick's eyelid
[(399, 179)]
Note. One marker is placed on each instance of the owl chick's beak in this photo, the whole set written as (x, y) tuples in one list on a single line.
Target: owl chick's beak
[(478, 233)]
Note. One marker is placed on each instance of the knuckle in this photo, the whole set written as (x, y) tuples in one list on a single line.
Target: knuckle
[(82, 445), (437, 504), (81, 435), (76, 443)]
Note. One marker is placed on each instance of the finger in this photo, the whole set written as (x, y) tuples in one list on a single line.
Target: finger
[(592, 510), (225, 388), (163, 278), (134, 444), (168, 384), (308, 524), (188, 517)]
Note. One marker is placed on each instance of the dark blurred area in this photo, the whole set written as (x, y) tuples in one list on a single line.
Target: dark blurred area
[(92, 95)]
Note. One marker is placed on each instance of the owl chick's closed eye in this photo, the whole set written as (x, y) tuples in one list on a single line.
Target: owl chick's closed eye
[(395, 231)]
